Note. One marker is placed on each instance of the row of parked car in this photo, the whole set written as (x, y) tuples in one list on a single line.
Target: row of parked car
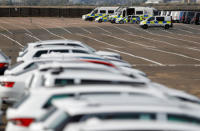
[(187, 17), (65, 85)]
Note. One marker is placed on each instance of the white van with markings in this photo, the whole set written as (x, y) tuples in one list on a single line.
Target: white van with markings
[(157, 21), (99, 11)]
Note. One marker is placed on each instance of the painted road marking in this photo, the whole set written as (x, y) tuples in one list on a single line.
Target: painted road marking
[(99, 41), (12, 40), (139, 57)]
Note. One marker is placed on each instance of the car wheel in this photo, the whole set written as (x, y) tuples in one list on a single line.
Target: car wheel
[(121, 22), (137, 22), (166, 26), (100, 21), (145, 26)]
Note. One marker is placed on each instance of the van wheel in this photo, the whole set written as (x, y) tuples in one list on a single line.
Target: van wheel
[(145, 26), (137, 22), (166, 26), (100, 21), (121, 22)]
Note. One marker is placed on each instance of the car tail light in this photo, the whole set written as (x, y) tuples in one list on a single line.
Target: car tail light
[(7, 84), (3, 65), (99, 62), (25, 122)]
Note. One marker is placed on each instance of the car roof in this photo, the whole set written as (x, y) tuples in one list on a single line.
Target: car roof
[(60, 47), (123, 103), (54, 42)]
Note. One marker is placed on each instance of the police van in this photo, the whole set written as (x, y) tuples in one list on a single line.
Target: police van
[(99, 11), (157, 21), (145, 12)]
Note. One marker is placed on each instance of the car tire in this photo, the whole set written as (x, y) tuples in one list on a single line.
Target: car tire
[(167, 26), (100, 21), (121, 22), (145, 26)]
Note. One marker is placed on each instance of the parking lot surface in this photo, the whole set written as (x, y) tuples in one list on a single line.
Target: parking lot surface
[(170, 57)]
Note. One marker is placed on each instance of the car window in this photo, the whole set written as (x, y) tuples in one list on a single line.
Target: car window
[(111, 11), (102, 11), (80, 51), (139, 12), (24, 53), (183, 118), (114, 116), (39, 53), (60, 51), (160, 19), (63, 82), (30, 65), (48, 103), (151, 19), (74, 45)]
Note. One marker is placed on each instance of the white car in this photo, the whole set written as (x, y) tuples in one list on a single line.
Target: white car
[(38, 52), (4, 62), (36, 104), (72, 43), (117, 62), (143, 108), (83, 73), (61, 74)]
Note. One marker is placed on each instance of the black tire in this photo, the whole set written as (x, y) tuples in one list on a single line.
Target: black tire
[(121, 22), (145, 26), (91, 19), (137, 22), (100, 21), (167, 26)]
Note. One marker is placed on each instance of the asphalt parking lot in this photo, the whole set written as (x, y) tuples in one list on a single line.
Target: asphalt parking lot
[(170, 57)]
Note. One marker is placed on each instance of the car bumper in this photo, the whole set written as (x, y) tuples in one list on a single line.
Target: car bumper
[(11, 127), (9, 95)]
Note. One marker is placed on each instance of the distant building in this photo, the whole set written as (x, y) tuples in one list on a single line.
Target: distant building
[(154, 1), (190, 1)]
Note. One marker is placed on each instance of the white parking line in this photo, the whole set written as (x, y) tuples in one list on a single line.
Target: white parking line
[(32, 36), (18, 26), (171, 37), (51, 32), (154, 49), (64, 29), (130, 33), (99, 41), (85, 30), (166, 65), (177, 54), (139, 57), (185, 31), (146, 46), (12, 40), (103, 29), (182, 34), (5, 29)]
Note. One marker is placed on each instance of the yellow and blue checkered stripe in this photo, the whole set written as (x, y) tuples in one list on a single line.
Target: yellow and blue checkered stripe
[(158, 22), (95, 15)]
